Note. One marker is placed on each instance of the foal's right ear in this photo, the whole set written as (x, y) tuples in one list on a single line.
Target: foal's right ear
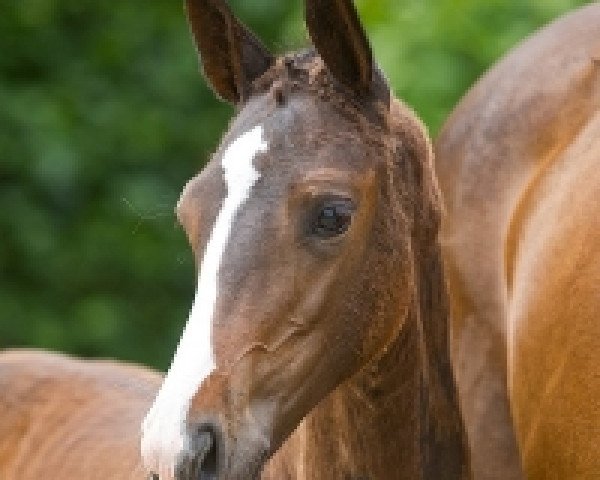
[(231, 56)]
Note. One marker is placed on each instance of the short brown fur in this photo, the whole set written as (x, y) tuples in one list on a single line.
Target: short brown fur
[(518, 166)]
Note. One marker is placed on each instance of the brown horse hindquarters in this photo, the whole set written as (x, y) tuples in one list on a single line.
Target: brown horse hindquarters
[(554, 317), (67, 419), (523, 121)]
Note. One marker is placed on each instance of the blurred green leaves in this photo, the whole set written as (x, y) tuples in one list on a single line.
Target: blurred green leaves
[(104, 117)]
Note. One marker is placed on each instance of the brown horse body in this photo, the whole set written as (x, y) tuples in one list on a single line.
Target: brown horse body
[(518, 163), (69, 419)]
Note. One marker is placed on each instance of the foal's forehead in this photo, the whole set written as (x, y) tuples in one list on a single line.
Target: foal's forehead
[(310, 128), (304, 133), (298, 143)]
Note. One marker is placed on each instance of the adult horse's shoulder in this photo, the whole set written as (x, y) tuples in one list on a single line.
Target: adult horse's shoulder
[(24, 370)]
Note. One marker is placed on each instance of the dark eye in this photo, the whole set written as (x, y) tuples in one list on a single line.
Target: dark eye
[(333, 217)]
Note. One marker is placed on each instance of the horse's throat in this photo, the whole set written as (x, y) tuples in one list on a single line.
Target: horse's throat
[(399, 417), (369, 427)]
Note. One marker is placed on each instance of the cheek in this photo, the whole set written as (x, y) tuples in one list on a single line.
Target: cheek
[(274, 298), (380, 289)]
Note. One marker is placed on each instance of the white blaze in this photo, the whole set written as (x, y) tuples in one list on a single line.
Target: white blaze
[(163, 429)]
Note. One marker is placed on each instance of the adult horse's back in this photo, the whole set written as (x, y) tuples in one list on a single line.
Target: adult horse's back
[(518, 165), (62, 418)]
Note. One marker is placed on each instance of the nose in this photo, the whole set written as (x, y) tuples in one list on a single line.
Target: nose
[(201, 461)]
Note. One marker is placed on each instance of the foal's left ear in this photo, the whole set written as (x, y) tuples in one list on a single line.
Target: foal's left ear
[(232, 57), (340, 39)]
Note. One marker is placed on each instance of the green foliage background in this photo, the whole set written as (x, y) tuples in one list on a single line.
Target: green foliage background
[(103, 118)]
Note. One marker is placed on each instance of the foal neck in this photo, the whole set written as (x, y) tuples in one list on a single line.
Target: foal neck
[(399, 417)]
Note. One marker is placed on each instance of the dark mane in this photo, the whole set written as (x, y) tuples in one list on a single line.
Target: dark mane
[(305, 71)]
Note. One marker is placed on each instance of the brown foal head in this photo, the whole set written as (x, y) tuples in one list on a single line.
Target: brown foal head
[(302, 226)]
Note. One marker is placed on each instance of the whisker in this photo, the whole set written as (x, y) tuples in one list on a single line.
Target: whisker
[(147, 216)]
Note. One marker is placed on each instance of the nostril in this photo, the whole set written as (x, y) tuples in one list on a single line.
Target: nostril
[(201, 461), (206, 452)]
